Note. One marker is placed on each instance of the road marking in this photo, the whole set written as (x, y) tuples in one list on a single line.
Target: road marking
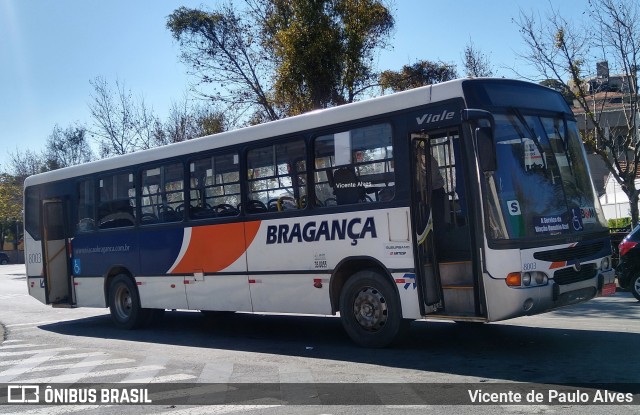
[(172, 378), (35, 323), (217, 409), (19, 346), (60, 410), (219, 372), (73, 374), (22, 367), (85, 374), (54, 358), (84, 363), (25, 352), (146, 376)]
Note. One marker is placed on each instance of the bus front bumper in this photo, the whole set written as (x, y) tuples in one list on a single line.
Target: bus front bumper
[(505, 302)]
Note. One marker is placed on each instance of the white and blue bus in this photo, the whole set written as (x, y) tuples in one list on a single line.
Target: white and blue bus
[(469, 200)]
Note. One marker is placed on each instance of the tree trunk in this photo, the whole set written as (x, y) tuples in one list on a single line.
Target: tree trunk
[(633, 206)]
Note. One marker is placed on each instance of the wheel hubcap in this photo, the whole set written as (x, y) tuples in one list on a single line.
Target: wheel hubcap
[(123, 303), (370, 309)]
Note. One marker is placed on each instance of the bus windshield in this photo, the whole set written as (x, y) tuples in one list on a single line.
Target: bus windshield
[(542, 184)]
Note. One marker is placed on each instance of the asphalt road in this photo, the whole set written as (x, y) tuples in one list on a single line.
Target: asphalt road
[(311, 357)]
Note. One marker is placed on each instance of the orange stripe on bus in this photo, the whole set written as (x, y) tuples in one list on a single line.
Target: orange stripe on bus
[(213, 248), (555, 265)]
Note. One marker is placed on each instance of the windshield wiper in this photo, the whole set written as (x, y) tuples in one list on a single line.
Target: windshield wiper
[(532, 136)]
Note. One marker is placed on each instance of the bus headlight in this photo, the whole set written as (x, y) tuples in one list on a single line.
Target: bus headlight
[(541, 279), (526, 279)]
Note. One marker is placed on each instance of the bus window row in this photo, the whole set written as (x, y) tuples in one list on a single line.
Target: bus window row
[(354, 166)]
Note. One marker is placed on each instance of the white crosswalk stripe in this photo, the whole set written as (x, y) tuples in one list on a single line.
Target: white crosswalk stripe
[(217, 410), (84, 373), (56, 410), (219, 372), (33, 323), (22, 361), (31, 352), (29, 363), (53, 358), (146, 376), (23, 366)]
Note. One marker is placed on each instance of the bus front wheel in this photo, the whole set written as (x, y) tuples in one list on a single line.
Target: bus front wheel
[(370, 310), (124, 303)]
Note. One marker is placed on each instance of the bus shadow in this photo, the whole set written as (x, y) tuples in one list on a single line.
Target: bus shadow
[(485, 352)]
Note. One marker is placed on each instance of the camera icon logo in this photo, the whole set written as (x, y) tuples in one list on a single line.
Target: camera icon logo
[(23, 394)]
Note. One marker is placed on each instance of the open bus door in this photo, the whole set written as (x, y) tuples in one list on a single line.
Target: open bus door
[(58, 283), (444, 263)]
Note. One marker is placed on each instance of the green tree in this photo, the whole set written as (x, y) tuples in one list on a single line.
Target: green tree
[(10, 206), (418, 74), (563, 52), (275, 58), (324, 50)]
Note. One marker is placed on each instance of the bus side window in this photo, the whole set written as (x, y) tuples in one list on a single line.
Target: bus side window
[(277, 177), (162, 196), (116, 201), (86, 206), (214, 186), (354, 166)]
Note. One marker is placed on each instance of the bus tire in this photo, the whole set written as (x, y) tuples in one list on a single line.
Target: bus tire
[(370, 310), (124, 304)]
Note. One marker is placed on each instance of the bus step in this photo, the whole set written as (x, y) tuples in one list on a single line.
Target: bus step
[(456, 273), (61, 305), (472, 318), (459, 300)]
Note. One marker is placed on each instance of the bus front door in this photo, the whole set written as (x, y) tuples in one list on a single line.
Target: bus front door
[(441, 223), (56, 253)]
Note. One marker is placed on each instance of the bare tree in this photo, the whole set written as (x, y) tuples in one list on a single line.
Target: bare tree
[(67, 147), (222, 48), (26, 163), (476, 63), (187, 121), (122, 125), (562, 52)]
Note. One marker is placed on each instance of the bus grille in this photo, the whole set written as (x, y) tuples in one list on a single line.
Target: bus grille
[(567, 254), (570, 275)]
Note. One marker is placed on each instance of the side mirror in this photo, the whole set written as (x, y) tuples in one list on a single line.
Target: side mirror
[(486, 149), (484, 137)]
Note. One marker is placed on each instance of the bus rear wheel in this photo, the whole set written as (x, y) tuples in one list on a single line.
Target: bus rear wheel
[(124, 304), (370, 310)]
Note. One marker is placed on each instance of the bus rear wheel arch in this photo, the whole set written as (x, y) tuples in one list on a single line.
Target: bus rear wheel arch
[(370, 309)]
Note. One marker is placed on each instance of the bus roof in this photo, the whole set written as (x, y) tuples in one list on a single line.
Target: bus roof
[(315, 119)]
